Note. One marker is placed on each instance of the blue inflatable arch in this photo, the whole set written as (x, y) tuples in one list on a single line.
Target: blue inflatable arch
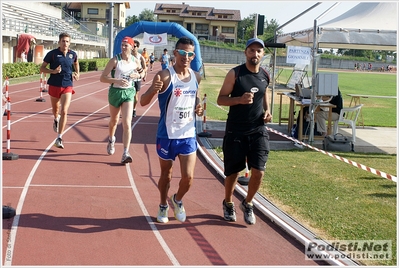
[(159, 28)]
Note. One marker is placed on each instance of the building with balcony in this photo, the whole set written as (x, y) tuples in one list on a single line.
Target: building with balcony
[(98, 12), (205, 23), (95, 15)]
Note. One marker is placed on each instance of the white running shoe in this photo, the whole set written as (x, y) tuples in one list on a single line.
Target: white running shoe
[(180, 213), (126, 158), (58, 143), (55, 124), (111, 146), (163, 214)]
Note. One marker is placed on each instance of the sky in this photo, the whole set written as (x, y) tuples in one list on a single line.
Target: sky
[(281, 11)]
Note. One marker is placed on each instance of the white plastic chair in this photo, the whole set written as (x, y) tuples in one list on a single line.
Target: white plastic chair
[(352, 113)]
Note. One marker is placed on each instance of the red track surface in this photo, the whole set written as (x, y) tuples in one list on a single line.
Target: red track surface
[(80, 206)]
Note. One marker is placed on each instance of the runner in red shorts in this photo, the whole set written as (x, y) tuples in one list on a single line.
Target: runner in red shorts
[(64, 68)]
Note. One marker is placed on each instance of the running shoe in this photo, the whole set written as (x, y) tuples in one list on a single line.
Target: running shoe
[(180, 213), (55, 124), (111, 146), (248, 210), (126, 158), (58, 143), (163, 214), (229, 211)]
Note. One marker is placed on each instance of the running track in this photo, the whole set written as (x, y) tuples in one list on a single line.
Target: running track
[(80, 206)]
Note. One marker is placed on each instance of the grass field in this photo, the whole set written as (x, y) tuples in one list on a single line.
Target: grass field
[(378, 112), (334, 200)]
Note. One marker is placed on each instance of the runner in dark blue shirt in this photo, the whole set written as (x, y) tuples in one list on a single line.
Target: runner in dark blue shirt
[(64, 68)]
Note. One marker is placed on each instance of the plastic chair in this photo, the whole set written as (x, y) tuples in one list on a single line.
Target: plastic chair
[(353, 113)]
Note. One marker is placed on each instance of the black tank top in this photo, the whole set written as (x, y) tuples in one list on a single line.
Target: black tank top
[(247, 118)]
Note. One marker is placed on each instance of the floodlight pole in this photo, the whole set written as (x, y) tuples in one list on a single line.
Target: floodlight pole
[(313, 103), (256, 26), (275, 50), (111, 30)]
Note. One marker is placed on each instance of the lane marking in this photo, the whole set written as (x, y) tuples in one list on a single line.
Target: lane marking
[(37, 87), (154, 228), (13, 231), (48, 109), (45, 95), (14, 227), (80, 186)]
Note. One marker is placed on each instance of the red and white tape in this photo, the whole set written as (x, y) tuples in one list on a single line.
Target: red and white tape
[(369, 169)]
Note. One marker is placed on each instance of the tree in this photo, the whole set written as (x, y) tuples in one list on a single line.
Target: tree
[(248, 25), (147, 15), (359, 53), (131, 20), (268, 33)]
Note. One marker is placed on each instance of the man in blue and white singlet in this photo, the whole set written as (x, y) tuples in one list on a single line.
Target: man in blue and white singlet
[(177, 88)]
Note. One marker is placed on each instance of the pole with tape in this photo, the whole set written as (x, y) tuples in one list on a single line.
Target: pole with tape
[(244, 180), (8, 155), (204, 133), (5, 96), (44, 89), (41, 99)]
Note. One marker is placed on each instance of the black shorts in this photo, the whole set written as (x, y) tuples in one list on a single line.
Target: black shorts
[(137, 85), (238, 149)]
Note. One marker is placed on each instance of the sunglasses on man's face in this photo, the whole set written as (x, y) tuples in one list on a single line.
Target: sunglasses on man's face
[(185, 53)]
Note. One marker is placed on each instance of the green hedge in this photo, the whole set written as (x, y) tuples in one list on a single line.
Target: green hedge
[(21, 69)]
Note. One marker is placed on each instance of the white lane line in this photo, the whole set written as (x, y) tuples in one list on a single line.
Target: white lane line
[(12, 91), (13, 232), (14, 227), (37, 113), (44, 95), (154, 228), (80, 186)]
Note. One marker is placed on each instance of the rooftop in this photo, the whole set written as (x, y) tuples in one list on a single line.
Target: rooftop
[(183, 10)]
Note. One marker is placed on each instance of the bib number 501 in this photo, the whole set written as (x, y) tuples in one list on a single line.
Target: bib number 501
[(183, 115)]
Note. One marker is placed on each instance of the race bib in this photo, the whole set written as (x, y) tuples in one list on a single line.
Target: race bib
[(182, 115)]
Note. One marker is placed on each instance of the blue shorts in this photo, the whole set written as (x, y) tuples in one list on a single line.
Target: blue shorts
[(168, 149)]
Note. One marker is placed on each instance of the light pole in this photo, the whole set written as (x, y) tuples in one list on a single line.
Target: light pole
[(243, 31), (217, 36)]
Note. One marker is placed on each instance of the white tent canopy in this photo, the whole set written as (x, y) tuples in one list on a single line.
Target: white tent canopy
[(368, 25)]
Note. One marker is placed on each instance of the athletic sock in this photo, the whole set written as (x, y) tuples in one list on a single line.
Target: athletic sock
[(177, 202)]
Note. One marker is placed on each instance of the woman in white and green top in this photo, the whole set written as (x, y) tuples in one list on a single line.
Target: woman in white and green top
[(120, 72)]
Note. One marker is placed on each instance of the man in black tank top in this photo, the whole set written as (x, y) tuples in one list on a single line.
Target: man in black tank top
[(246, 140)]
